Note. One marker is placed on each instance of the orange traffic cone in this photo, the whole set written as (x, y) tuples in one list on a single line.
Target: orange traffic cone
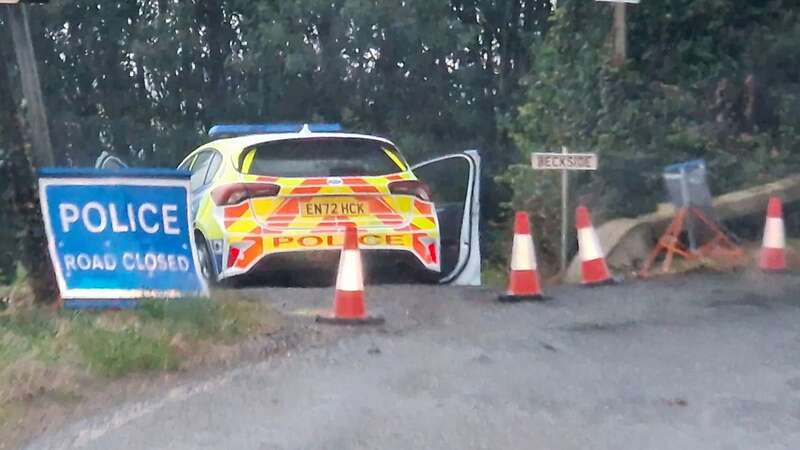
[(523, 278), (348, 303), (773, 249), (594, 270)]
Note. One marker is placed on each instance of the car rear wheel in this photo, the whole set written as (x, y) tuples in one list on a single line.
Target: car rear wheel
[(204, 257)]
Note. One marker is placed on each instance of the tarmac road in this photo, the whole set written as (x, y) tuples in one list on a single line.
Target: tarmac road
[(705, 362)]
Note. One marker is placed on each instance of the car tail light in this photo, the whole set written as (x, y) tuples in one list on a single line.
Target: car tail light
[(231, 194), (411, 187), (233, 256), (432, 252)]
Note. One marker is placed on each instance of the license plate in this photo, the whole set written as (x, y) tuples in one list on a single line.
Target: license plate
[(333, 207)]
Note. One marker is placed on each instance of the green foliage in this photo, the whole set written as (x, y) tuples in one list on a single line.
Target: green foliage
[(538, 194), (24, 333), (144, 79), (117, 353), (158, 336), (705, 79), (202, 318)]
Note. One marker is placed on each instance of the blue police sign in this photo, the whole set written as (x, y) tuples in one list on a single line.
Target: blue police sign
[(121, 235)]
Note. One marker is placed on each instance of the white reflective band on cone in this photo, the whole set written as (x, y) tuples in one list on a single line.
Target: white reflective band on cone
[(522, 253), (350, 272), (774, 234), (589, 245)]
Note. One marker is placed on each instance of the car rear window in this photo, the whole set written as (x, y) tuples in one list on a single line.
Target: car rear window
[(324, 157)]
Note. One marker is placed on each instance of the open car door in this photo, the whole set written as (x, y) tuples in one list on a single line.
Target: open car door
[(455, 185)]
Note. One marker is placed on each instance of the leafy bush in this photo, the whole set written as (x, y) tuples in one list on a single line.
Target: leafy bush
[(726, 91)]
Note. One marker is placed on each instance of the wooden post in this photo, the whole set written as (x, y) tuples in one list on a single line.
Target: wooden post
[(620, 36), (36, 113), (32, 241)]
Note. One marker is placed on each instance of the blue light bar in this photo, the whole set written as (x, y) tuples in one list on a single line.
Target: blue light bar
[(233, 130)]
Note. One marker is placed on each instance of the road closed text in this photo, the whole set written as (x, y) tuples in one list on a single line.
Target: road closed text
[(129, 261)]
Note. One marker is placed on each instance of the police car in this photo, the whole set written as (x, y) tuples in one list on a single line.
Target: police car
[(277, 198)]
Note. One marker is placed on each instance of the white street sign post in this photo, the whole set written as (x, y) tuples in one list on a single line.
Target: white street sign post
[(564, 161)]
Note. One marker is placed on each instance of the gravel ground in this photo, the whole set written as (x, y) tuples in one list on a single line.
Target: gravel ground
[(706, 362)]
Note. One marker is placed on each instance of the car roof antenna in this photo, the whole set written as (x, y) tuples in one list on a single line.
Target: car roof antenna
[(305, 129)]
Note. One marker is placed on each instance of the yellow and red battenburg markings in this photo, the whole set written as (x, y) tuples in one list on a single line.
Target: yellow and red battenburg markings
[(281, 214)]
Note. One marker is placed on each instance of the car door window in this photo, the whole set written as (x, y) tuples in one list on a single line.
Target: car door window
[(199, 170), (187, 163), (213, 167), (449, 181)]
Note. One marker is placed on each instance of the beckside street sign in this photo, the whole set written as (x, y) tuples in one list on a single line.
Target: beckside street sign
[(564, 161)]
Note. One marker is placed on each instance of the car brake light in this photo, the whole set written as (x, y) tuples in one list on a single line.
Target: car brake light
[(432, 252), (233, 256), (411, 187), (231, 194)]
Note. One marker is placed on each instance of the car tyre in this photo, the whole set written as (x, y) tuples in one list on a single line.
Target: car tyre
[(205, 260)]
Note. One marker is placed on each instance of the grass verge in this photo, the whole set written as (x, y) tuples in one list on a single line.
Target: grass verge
[(55, 355), (793, 246), (494, 275)]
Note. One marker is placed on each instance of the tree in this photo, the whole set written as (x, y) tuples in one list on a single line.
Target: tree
[(702, 81), (146, 78), (21, 191)]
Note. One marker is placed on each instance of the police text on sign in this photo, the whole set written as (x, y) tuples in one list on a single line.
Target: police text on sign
[(564, 161)]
